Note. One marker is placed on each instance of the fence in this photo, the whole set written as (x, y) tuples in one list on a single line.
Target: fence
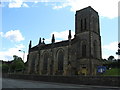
[(82, 80)]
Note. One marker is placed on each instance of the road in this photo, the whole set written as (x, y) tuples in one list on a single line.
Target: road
[(16, 83)]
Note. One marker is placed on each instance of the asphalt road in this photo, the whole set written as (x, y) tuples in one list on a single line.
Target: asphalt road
[(12, 84)]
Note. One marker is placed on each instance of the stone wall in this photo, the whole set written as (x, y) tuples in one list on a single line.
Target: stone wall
[(79, 55), (82, 80)]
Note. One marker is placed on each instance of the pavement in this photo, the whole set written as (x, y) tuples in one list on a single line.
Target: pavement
[(17, 84)]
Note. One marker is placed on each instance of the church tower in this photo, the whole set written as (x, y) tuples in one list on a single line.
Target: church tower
[(87, 32), (78, 56)]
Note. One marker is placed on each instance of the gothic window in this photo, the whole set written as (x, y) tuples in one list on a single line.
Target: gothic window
[(83, 50), (45, 63), (60, 60)]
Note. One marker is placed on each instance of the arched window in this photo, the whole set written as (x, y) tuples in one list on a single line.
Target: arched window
[(45, 63), (60, 60), (83, 50)]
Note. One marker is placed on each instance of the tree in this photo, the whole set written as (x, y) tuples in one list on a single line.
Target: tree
[(5, 68), (111, 58), (112, 63), (118, 53), (17, 64), (15, 57)]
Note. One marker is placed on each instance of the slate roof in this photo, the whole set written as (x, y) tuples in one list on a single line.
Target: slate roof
[(49, 46)]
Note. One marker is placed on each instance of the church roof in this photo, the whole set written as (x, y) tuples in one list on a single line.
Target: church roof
[(49, 46)]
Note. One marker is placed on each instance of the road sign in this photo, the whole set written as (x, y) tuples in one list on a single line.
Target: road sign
[(101, 69)]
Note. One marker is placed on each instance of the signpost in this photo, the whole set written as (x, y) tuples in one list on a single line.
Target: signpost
[(101, 69)]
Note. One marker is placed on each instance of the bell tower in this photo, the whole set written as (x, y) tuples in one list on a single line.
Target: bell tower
[(87, 32), (87, 19)]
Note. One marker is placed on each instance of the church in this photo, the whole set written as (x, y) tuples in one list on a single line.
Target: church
[(78, 56)]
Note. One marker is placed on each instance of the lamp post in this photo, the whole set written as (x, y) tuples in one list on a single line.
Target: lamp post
[(23, 53)]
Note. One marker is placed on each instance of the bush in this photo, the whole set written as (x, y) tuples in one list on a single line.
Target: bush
[(5, 68)]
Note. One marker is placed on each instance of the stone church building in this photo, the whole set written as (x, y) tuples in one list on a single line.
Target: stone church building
[(78, 56)]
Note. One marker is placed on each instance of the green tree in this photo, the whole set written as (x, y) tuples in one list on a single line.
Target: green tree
[(111, 58), (17, 64), (118, 53), (5, 68)]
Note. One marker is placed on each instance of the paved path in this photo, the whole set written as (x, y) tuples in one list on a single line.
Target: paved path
[(16, 83)]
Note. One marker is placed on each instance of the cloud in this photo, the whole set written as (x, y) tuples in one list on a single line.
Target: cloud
[(110, 49), (1, 34), (106, 8), (17, 4), (8, 54), (36, 0), (106, 55), (25, 5), (13, 35), (63, 34), (112, 46), (59, 36), (61, 6)]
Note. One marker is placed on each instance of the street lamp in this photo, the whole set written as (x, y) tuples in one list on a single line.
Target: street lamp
[(23, 53)]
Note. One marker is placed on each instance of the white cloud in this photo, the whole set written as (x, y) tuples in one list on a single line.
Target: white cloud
[(25, 5), (112, 46), (1, 34), (106, 8), (61, 6), (59, 36), (14, 35), (106, 56), (35, 1), (17, 4), (63, 34), (8, 54), (110, 49)]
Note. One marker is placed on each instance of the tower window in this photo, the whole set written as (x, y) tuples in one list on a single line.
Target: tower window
[(85, 24), (81, 25)]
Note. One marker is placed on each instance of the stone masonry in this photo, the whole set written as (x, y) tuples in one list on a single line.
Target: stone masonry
[(78, 56)]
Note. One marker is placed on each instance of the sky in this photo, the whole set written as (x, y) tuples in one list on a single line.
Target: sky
[(25, 20)]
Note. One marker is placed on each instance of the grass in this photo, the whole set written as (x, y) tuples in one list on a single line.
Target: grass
[(112, 72)]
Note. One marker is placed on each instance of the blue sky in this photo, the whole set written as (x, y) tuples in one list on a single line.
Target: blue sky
[(25, 21)]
